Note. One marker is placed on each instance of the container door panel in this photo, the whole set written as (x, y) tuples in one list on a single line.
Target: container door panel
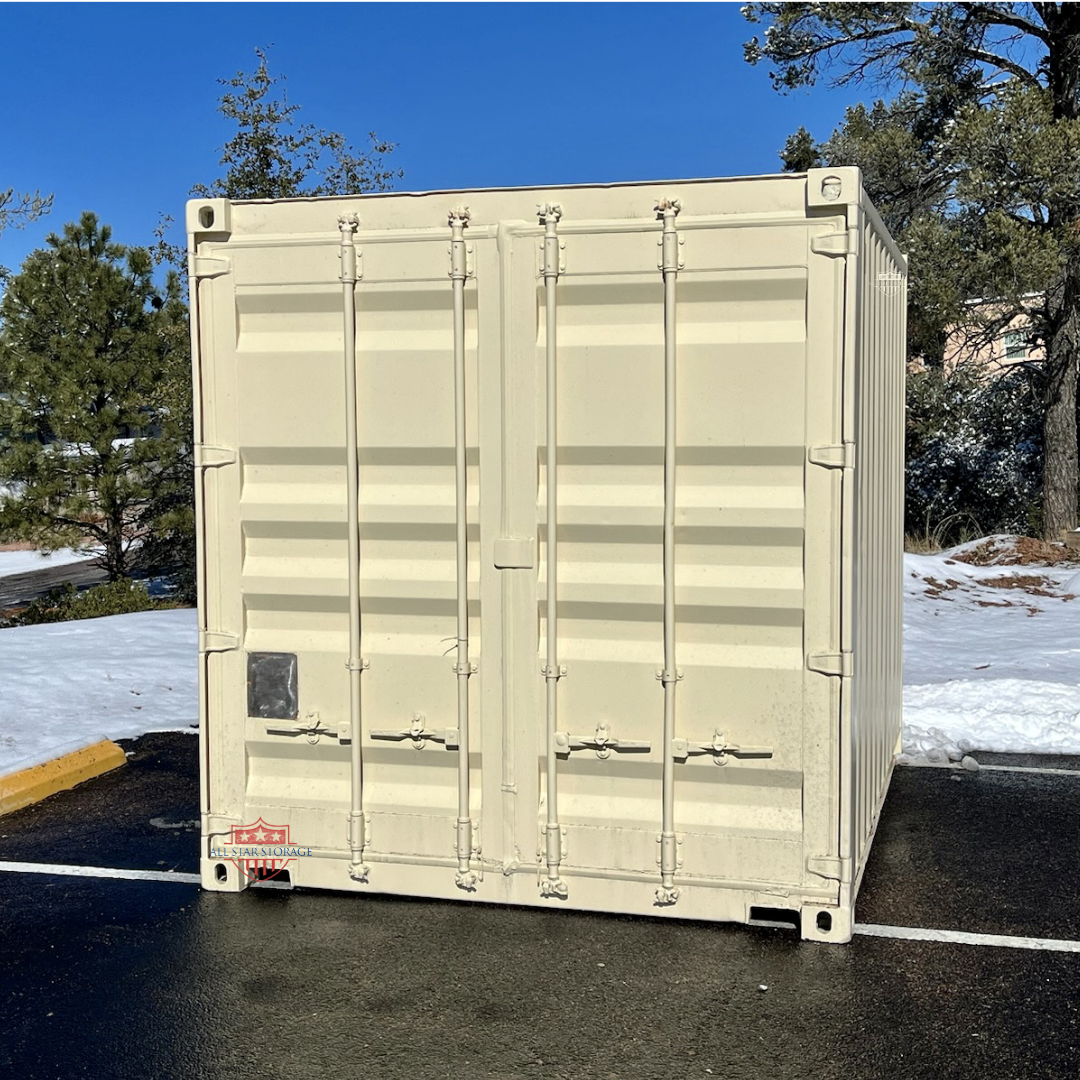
[(741, 317), (405, 387)]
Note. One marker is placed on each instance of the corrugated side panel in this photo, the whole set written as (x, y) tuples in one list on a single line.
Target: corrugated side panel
[(876, 714)]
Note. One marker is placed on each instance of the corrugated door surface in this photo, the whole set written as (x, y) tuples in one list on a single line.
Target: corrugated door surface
[(574, 795)]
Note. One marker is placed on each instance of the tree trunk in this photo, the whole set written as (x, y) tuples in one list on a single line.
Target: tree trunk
[(1059, 419), (114, 549), (1060, 474)]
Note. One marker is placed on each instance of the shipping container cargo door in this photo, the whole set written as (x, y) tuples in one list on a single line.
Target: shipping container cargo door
[(755, 778), (280, 568), (750, 400)]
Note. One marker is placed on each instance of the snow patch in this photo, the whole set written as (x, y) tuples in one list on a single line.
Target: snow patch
[(21, 562), (991, 657), (119, 677), (1013, 715)]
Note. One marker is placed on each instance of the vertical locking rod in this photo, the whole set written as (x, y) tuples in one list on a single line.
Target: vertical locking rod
[(667, 893), (466, 877), (348, 224), (553, 884)]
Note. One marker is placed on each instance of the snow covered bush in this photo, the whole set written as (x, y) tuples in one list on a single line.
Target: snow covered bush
[(974, 455)]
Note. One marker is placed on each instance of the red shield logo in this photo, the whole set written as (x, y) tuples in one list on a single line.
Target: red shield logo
[(261, 851)]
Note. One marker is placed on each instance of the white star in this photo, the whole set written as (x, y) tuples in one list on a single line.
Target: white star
[(260, 835)]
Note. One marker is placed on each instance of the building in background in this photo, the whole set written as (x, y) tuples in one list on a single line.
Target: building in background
[(998, 343)]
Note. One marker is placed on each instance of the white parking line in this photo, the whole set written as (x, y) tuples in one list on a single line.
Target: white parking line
[(956, 766), (65, 870), (1030, 769), (960, 937), (901, 933)]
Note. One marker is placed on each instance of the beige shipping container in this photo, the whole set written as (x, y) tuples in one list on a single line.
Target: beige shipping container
[(551, 543)]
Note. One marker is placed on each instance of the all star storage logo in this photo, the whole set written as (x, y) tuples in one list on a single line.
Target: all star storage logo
[(260, 850), (890, 283)]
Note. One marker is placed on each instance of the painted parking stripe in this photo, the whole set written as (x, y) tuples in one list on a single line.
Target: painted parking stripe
[(955, 766), (64, 870), (901, 933), (67, 870), (960, 937), (1030, 769)]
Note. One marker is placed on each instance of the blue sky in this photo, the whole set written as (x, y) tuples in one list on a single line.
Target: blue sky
[(112, 106)]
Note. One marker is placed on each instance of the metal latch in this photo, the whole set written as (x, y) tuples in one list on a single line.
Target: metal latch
[(217, 641), (841, 456), (212, 457), (311, 726), (207, 266), (836, 243), (420, 736), (601, 741), (720, 748), (834, 663)]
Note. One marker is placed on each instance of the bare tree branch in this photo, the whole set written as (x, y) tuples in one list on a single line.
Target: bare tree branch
[(1002, 15)]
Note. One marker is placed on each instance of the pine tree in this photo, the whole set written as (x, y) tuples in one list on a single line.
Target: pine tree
[(89, 348), (271, 156), (976, 166)]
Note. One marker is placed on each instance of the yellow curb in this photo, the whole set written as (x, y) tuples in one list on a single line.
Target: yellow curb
[(19, 789)]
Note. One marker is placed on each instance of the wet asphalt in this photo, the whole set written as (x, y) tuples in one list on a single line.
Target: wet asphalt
[(107, 978)]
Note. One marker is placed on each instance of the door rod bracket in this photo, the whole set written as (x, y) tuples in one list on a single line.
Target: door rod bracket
[(600, 741), (419, 735), (720, 749)]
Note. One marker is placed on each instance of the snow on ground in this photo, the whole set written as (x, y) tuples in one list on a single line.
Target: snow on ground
[(21, 562), (115, 677), (991, 656)]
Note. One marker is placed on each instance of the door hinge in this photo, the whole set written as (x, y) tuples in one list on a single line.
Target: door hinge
[(836, 243), (214, 825), (211, 457), (834, 663), (841, 456), (829, 866), (207, 266), (217, 641)]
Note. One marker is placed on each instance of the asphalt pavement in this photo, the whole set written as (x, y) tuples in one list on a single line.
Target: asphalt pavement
[(18, 589), (118, 978)]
